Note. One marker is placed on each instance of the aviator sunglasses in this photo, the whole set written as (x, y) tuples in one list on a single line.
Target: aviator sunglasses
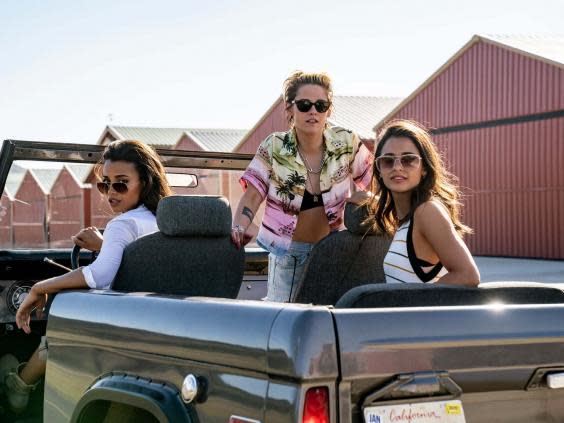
[(304, 105), (406, 161), (119, 187)]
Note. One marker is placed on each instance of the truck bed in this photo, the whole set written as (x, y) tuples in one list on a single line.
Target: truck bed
[(258, 359)]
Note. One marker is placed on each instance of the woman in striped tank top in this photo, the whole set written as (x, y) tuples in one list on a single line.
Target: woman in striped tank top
[(418, 205)]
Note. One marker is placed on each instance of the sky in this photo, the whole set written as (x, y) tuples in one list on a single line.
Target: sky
[(69, 68)]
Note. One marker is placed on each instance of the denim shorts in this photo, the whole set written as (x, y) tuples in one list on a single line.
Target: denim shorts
[(285, 272)]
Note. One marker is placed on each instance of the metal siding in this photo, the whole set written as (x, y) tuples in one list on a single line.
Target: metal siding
[(513, 185), (487, 83), (86, 210), (29, 214), (222, 140), (274, 122), (65, 210), (186, 143), (516, 209), (100, 211), (358, 113), (6, 221)]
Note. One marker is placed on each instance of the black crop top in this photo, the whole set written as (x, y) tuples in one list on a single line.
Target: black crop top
[(311, 201)]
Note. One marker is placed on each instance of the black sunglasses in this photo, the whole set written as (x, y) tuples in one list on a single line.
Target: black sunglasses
[(119, 187), (304, 105)]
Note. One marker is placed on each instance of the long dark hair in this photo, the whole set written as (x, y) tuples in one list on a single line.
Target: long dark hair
[(436, 183), (148, 165)]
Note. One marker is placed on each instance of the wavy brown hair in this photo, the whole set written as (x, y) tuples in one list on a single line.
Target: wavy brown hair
[(148, 165), (436, 184)]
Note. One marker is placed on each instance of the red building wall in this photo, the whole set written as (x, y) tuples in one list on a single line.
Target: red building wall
[(514, 198), (188, 144), (273, 121), (209, 181), (6, 205), (509, 170), (487, 83), (29, 218), (100, 211), (66, 212)]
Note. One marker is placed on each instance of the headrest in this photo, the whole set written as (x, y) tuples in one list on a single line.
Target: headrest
[(194, 215), (355, 215)]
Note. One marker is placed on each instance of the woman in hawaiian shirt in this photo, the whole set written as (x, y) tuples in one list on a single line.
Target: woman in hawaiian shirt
[(305, 176)]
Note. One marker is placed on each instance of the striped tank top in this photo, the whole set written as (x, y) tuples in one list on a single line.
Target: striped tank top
[(401, 264)]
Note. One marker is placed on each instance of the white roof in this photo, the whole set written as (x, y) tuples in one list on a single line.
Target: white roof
[(360, 113), (544, 47)]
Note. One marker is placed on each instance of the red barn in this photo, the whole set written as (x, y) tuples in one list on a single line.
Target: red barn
[(211, 139), (30, 214), (496, 109), (6, 204), (221, 140), (13, 182), (67, 207)]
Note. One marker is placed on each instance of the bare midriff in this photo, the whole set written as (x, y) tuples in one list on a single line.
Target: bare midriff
[(312, 225)]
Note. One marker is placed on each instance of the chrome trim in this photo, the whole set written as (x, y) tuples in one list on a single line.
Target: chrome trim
[(242, 419), (555, 380), (189, 389)]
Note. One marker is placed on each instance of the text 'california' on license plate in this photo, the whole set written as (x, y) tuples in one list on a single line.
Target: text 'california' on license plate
[(422, 412)]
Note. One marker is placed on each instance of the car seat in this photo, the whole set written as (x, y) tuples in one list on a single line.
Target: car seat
[(192, 254), (343, 260)]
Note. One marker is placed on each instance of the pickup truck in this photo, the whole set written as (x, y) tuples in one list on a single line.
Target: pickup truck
[(183, 335)]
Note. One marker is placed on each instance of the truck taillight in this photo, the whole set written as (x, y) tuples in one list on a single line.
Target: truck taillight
[(316, 405)]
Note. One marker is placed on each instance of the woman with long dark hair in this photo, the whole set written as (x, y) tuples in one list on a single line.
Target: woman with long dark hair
[(133, 180), (418, 205)]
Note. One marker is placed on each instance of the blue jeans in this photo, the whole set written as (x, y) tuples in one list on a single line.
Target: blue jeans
[(285, 272)]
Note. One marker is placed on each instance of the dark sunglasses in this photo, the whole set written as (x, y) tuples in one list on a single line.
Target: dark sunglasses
[(304, 105), (119, 187), (406, 161)]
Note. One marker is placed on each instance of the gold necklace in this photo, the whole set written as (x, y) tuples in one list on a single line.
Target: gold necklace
[(315, 195), (307, 165)]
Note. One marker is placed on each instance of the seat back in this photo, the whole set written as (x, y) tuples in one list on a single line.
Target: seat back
[(192, 254), (427, 295), (343, 260)]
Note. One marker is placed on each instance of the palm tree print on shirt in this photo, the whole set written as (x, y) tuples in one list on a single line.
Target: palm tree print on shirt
[(285, 189), (289, 144)]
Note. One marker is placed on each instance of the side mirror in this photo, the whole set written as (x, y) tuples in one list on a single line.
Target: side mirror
[(182, 180)]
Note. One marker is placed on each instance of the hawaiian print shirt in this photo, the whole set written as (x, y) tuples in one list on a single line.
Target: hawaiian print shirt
[(279, 174)]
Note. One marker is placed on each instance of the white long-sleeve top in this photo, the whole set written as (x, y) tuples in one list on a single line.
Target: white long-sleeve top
[(119, 233)]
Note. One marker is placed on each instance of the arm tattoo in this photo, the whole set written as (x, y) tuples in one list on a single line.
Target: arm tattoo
[(248, 212)]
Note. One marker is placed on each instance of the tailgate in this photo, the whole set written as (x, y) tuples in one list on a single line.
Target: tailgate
[(499, 357)]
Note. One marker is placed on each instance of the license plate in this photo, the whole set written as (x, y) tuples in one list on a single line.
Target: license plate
[(422, 412)]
